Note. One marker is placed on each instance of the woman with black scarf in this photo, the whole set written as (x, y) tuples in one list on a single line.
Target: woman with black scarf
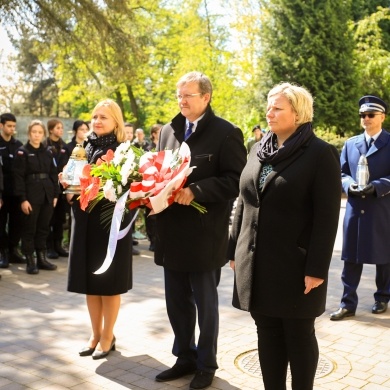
[(89, 243), (283, 235)]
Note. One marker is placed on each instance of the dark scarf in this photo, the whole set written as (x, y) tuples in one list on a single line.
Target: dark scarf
[(99, 142), (268, 152)]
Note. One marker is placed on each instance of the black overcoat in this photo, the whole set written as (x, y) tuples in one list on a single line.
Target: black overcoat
[(287, 232), (187, 240), (88, 248)]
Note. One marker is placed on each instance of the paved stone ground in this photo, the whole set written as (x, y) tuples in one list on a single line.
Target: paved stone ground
[(42, 327)]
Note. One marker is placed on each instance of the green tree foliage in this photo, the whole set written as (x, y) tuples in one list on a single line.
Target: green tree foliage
[(74, 53), (308, 42)]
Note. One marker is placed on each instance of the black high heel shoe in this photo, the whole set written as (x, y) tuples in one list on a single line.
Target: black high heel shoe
[(86, 351), (102, 354)]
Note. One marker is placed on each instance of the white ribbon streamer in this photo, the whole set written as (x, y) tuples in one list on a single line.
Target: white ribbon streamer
[(115, 233)]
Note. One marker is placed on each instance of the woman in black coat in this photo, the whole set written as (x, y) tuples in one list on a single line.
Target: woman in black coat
[(283, 235), (36, 186), (89, 242)]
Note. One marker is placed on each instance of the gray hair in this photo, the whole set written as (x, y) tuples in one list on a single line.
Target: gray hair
[(202, 80)]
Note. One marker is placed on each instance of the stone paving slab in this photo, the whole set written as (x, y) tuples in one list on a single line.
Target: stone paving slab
[(42, 327)]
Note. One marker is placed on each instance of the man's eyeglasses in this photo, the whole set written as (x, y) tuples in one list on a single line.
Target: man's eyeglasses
[(369, 115), (188, 96)]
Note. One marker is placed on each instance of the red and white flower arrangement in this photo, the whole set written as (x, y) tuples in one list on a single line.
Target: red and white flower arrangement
[(130, 177)]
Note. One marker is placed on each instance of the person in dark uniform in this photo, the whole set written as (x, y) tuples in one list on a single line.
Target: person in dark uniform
[(61, 157), (36, 185), (257, 136), (1, 191), (89, 241), (192, 246), (10, 213), (366, 228), (80, 129)]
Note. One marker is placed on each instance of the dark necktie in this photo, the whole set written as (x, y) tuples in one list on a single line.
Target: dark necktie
[(188, 131), (370, 142)]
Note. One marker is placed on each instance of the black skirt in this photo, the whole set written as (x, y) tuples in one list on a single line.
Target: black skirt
[(88, 248)]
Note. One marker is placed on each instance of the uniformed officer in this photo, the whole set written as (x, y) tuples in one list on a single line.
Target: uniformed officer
[(35, 178), (61, 156), (367, 215), (10, 213)]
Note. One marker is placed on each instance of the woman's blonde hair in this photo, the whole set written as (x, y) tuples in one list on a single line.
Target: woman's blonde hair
[(116, 113), (300, 99), (35, 122)]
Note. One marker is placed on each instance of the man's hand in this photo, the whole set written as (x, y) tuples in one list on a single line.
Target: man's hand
[(353, 190), (369, 189), (184, 196)]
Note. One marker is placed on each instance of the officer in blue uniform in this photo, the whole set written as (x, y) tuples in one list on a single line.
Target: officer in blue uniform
[(367, 217)]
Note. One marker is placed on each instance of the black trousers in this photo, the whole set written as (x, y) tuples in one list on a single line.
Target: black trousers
[(287, 340), (36, 227), (57, 220), (11, 217), (185, 294)]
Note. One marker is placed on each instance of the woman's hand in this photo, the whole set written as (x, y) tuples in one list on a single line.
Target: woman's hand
[(312, 282), (232, 264), (26, 207), (61, 180), (69, 198)]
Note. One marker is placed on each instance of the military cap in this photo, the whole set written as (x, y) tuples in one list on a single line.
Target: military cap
[(372, 103)]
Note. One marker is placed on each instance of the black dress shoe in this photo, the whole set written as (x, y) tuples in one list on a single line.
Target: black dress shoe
[(341, 314), (379, 307), (136, 252), (86, 351), (202, 380), (102, 354), (176, 372)]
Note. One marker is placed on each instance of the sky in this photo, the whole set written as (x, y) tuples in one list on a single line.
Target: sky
[(5, 44)]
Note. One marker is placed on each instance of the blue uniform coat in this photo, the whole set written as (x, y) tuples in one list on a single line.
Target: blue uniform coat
[(367, 220)]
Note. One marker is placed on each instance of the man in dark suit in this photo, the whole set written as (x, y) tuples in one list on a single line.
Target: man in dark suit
[(192, 246), (11, 215), (367, 215)]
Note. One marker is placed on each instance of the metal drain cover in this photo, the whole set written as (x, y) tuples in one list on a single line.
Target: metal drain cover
[(248, 362)]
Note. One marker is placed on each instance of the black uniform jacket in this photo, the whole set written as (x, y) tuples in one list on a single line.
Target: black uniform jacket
[(286, 232), (35, 175), (7, 157), (186, 239)]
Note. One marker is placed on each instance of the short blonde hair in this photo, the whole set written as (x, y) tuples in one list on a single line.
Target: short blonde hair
[(116, 113), (300, 99), (35, 122)]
